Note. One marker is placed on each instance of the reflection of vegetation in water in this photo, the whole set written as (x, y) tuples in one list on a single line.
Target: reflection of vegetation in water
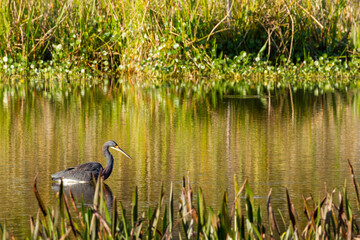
[(325, 218), (164, 125)]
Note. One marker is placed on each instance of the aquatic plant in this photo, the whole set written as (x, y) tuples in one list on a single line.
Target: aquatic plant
[(325, 218), (242, 48), (175, 37)]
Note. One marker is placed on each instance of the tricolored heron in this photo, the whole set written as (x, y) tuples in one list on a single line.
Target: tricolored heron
[(85, 171)]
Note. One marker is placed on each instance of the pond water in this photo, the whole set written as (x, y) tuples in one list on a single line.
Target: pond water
[(275, 143)]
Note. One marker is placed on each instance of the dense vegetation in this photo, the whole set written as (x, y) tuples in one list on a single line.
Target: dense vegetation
[(247, 47), (271, 41), (324, 218)]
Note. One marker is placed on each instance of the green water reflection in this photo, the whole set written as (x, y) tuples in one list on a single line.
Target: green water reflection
[(269, 141)]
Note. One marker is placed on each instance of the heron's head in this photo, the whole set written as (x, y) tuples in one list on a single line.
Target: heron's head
[(113, 145)]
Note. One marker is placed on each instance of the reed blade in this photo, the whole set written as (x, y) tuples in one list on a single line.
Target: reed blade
[(164, 221), (249, 202), (201, 212), (271, 215), (156, 215), (96, 194), (35, 234), (171, 209), (3, 231), (114, 217), (69, 215), (134, 210), (355, 184), (124, 222), (37, 194), (291, 210)]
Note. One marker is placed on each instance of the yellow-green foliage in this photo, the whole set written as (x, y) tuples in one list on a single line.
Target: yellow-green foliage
[(119, 35)]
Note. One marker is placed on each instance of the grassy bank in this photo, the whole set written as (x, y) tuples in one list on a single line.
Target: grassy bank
[(219, 39), (238, 218)]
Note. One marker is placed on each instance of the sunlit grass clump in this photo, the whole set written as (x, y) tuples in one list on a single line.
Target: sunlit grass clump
[(238, 218)]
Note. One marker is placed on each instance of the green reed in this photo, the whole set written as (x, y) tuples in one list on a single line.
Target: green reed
[(325, 218), (173, 36)]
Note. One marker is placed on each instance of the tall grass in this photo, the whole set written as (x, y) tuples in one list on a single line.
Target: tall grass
[(174, 35), (325, 219)]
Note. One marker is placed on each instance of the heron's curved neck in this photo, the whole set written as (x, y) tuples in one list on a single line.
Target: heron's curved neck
[(109, 162)]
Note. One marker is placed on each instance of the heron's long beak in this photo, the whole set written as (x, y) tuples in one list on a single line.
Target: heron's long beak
[(117, 148)]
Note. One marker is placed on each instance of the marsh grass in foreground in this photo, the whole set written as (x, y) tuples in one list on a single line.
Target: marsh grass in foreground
[(325, 219)]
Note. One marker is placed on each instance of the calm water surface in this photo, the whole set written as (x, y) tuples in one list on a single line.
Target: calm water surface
[(168, 135)]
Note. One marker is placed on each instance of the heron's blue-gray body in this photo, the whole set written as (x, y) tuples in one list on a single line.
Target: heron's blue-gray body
[(84, 172), (80, 173)]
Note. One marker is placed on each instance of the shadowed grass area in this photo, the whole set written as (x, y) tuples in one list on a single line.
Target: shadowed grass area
[(178, 37), (325, 218)]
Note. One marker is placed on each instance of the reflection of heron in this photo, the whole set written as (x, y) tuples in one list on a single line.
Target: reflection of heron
[(84, 172), (85, 192)]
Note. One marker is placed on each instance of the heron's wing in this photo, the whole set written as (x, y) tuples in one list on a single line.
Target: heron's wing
[(82, 172), (89, 166), (69, 169)]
